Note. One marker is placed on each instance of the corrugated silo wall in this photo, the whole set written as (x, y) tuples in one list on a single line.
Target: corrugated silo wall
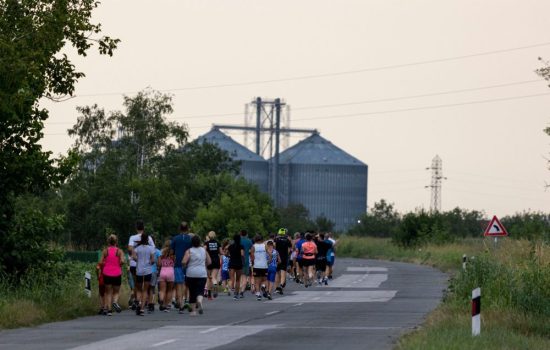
[(339, 192), (255, 172)]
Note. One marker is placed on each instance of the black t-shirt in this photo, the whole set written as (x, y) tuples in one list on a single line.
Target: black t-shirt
[(235, 257), (282, 244), (213, 249), (322, 248)]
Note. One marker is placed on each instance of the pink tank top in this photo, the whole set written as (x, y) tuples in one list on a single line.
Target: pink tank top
[(112, 263), (166, 262)]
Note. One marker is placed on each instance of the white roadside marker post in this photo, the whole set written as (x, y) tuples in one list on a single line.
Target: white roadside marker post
[(88, 284), (464, 262), (476, 311)]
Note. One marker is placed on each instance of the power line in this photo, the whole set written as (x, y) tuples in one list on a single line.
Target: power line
[(448, 92), (424, 107), (333, 74), (338, 116)]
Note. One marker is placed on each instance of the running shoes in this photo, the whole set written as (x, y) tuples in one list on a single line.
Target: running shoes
[(117, 308)]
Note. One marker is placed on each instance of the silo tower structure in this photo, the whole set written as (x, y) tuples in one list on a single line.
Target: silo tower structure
[(254, 168), (325, 179)]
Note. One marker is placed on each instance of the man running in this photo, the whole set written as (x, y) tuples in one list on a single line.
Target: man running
[(180, 244), (331, 254), (283, 246), (246, 244), (323, 247)]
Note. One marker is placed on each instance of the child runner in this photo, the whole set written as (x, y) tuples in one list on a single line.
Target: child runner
[(274, 260), (166, 278), (213, 249), (112, 260), (101, 288), (225, 268), (154, 281)]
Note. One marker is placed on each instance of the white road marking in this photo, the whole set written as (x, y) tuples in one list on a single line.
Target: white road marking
[(366, 269), (179, 336), (163, 343), (210, 330), (272, 312), (359, 281), (299, 304), (356, 296)]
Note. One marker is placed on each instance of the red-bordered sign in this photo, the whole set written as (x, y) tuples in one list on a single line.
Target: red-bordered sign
[(495, 228)]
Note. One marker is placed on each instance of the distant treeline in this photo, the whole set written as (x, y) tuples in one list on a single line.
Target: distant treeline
[(421, 226)]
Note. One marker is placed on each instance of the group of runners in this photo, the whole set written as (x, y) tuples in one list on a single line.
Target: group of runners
[(187, 270)]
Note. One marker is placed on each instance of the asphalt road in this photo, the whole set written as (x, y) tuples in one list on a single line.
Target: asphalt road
[(368, 305)]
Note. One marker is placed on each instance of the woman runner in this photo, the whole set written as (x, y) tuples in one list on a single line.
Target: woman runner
[(236, 256), (213, 249), (144, 256), (195, 261), (112, 260)]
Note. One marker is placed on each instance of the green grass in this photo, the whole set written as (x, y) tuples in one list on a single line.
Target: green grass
[(515, 280), (53, 293)]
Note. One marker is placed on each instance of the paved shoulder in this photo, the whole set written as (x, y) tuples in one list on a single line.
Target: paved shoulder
[(368, 304)]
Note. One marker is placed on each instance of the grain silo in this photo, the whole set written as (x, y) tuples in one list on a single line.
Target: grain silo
[(253, 167), (324, 179)]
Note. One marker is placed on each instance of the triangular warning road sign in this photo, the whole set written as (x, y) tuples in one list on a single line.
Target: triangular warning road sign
[(495, 228)]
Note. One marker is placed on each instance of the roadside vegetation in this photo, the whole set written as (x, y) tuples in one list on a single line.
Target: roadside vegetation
[(514, 276)]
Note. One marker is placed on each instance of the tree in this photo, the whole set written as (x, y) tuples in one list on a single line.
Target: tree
[(32, 36), (239, 206), (324, 224), (295, 218), (381, 221)]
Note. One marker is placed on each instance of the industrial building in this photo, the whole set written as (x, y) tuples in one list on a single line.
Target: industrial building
[(253, 168), (315, 173)]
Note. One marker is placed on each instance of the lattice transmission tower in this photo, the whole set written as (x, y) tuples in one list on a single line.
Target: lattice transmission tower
[(435, 186)]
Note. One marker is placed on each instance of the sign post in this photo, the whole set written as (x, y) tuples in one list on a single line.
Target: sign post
[(476, 312), (88, 284), (495, 229)]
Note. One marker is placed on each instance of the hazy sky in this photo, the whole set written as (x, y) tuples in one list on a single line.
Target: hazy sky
[(493, 150)]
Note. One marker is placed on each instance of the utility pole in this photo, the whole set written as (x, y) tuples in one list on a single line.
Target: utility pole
[(437, 177)]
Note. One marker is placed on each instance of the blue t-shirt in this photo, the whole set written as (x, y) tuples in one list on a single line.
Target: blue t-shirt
[(157, 256), (299, 247), (246, 243), (225, 263), (180, 244), (272, 264)]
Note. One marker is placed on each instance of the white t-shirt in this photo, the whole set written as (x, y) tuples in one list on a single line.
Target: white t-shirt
[(144, 266), (260, 256), (196, 266), (134, 241)]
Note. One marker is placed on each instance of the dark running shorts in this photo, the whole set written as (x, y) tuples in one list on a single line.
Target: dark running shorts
[(141, 279), (113, 281), (308, 262), (260, 272)]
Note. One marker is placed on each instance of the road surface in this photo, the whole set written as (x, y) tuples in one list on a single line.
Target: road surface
[(368, 305)]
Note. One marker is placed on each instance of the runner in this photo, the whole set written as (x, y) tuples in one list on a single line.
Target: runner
[(154, 281), (300, 270), (132, 242), (144, 256), (236, 257), (166, 278), (283, 246), (331, 257), (274, 260), (321, 262), (213, 249), (112, 260), (195, 260), (246, 243), (258, 260), (180, 244), (309, 250), (226, 282), (101, 287)]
